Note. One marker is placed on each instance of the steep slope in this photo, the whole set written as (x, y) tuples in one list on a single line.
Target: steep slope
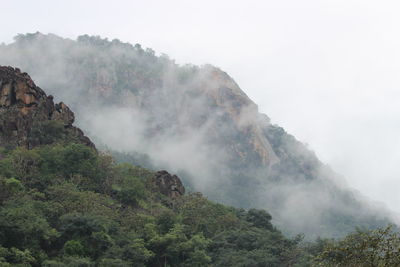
[(62, 203), (195, 121), (28, 117)]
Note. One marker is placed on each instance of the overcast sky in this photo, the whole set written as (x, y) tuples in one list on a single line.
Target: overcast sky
[(328, 71)]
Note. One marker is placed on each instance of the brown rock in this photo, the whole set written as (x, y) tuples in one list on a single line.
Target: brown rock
[(5, 98), (63, 113), (25, 110), (169, 185)]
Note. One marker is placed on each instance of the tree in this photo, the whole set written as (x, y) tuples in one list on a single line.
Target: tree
[(74, 248), (23, 224), (129, 188), (259, 218), (380, 248)]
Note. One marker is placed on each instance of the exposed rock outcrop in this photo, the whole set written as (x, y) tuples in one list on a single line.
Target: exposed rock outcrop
[(220, 87), (28, 117), (169, 185)]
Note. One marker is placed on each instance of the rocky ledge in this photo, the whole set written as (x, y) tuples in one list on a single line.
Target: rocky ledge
[(28, 117), (169, 185)]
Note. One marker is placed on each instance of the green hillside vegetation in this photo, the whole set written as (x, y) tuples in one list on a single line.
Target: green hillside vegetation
[(67, 205)]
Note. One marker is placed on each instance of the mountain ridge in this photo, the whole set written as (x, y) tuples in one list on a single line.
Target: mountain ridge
[(195, 121)]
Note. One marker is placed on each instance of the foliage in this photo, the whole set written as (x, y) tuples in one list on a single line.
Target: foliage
[(68, 205), (380, 247), (48, 132)]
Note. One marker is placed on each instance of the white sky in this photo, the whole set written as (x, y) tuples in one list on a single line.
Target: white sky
[(328, 71)]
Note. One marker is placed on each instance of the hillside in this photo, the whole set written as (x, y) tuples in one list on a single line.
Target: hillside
[(62, 203), (194, 121)]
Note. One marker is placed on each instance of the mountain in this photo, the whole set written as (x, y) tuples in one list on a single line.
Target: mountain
[(63, 203), (197, 122)]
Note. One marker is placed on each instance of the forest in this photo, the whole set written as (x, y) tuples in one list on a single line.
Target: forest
[(66, 204)]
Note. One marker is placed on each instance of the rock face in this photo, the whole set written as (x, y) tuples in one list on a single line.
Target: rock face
[(169, 185), (195, 120), (28, 117), (241, 110)]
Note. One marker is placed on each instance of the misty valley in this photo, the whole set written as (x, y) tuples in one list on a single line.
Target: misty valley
[(113, 155)]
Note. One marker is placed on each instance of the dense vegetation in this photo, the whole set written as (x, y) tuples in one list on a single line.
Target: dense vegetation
[(67, 205)]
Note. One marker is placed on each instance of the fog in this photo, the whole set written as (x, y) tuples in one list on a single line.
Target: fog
[(193, 121), (327, 71)]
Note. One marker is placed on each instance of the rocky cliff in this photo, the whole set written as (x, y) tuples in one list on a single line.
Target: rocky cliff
[(195, 121), (28, 117)]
